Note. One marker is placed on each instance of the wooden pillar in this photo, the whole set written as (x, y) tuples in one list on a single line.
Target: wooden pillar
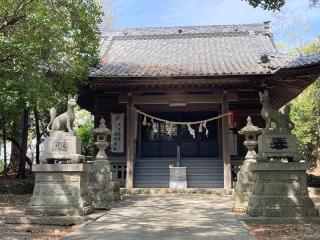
[(130, 143), (225, 143)]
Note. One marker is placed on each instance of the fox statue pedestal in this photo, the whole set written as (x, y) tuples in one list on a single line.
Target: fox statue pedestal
[(280, 190), (62, 146), (276, 146), (60, 190)]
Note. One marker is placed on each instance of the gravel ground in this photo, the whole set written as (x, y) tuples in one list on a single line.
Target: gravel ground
[(288, 231), (282, 231), (15, 205)]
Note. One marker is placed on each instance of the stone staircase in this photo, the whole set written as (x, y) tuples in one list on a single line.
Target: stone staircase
[(201, 172)]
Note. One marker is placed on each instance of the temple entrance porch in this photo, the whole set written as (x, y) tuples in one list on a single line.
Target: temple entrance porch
[(156, 142), (158, 150)]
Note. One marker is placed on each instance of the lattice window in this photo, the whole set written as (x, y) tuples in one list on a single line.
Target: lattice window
[(121, 171)]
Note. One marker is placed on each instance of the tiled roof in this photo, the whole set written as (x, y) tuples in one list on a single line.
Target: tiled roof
[(193, 51)]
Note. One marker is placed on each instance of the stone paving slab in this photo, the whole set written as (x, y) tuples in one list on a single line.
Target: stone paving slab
[(185, 217)]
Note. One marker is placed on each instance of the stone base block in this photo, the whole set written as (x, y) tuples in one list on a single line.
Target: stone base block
[(104, 186), (244, 186), (280, 190), (275, 145), (62, 146), (60, 190)]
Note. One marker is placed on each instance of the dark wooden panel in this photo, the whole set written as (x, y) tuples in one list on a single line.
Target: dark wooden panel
[(209, 149), (189, 149), (168, 149), (150, 149)]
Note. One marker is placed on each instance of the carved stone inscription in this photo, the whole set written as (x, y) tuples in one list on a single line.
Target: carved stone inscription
[(279, 143), (59, 146), (178, 175)]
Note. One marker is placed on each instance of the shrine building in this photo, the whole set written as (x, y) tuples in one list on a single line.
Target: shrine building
[(188, 74)]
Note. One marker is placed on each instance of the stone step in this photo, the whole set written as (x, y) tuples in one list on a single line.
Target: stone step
[(174, 159), (190, 184), (201, 172), (166, 177), (163, 191), (193, 170), (151, 184), (153, 164), (204, 177), (152, 177), (205, 184), (188, 164)]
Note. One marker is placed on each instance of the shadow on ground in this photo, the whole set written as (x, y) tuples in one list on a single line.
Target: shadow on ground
[(167, 217)]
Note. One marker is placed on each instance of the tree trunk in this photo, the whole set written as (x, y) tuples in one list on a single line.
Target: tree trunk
[(4, 139), (14, 159), (24, 144), (38, 134), (317, 147), (15, 148)]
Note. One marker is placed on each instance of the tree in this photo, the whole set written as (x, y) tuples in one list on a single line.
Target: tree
[(84, 129), (46, 49), (275, 4), (305, 113)]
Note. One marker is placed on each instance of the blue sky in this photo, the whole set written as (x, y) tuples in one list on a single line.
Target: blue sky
[(295, 25)]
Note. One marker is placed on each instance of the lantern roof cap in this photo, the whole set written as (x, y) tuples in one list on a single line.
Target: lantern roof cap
[(250, 128), (102, 129)]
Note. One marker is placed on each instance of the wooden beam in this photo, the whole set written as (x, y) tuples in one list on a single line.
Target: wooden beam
[(185, 98), (130, 144), (225, 144), (209, 107)]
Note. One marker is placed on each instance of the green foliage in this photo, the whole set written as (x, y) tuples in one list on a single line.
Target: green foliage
[(1, 166), (305, 112), (46, 49), (302, 114), (275, 4), (46, 46), (84, 130), (267, 4)]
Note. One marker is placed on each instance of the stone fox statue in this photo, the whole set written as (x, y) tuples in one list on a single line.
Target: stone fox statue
[(281, 119), (58, 123)]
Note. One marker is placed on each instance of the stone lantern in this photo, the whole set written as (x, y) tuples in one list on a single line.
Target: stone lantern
[(250, 132), (245, 178), (101, 140)]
